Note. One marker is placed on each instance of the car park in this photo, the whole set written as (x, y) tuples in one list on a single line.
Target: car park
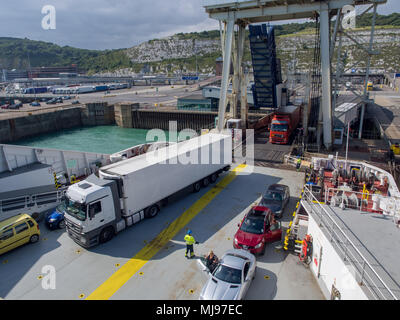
[(276, 198), (256, 230), (232, 277), (17, 231)]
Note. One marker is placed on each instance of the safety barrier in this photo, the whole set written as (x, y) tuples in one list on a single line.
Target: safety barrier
[(367, 274)]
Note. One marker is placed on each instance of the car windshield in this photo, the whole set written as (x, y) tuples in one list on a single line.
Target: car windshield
[(279, 127), (75, 209), (253, 225), (228, 274), (272, 196)]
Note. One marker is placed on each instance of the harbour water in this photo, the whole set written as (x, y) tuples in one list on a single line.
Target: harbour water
[(99, 139)]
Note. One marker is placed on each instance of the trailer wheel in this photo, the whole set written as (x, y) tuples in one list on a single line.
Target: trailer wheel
[(152, 211), (213, 177), (106, 234), (205, 182), (196, 186), (227, 168)]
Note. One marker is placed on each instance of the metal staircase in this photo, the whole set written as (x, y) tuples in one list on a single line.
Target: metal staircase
[(265, 66)]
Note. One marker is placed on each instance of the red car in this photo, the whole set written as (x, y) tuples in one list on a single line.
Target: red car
[(5, 106), (257, 228)]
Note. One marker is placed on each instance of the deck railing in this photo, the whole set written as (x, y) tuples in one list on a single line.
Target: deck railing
[(368, 277)]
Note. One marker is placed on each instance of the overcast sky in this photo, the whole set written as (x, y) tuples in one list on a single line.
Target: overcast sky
[(111, 24)]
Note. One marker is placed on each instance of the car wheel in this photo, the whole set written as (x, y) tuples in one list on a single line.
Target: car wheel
[(106, 234), (196, 186), (152, 211), (61, 224), (34, 238)]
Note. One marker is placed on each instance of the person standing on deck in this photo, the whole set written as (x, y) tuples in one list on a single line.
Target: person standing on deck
[(190, 241)]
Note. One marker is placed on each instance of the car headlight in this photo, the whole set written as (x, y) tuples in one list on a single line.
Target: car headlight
[(83, 239), (236, 241), (52, 220), (259, 245)]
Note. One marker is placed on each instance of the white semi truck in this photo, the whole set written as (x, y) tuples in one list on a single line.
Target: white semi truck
[(130, 190)]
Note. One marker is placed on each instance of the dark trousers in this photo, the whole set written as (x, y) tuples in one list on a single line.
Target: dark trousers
[(189, 248)]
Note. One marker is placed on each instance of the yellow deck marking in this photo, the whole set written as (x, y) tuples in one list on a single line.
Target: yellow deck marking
[(123, 274)]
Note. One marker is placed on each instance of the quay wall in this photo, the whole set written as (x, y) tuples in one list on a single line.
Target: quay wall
[(126, 115)]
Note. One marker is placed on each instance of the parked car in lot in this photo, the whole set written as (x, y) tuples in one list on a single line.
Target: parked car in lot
[(55, 219), (75, 102), (52, 101), (231, 279), (256, 230), (66, 97), (16, 231), (276, 198), (15, 106), (5, 106), (35, 104)]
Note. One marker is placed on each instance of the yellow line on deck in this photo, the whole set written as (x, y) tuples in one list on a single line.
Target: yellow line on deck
[(125, 272)]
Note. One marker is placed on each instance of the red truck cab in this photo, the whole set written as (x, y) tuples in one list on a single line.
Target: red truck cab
[(283, 123), (256, 230)]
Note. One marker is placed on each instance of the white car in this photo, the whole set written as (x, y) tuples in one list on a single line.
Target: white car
[(231, 278)]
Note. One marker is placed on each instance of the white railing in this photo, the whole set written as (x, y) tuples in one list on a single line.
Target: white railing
[(30, 203), (368, 276)]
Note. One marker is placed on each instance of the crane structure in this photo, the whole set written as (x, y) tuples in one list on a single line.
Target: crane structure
[(241, 13)]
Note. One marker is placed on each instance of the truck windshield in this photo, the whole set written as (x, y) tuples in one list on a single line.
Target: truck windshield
[(279, 127), (75, 209)]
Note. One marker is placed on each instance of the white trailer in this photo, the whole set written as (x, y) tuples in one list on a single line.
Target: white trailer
[(131, 190)]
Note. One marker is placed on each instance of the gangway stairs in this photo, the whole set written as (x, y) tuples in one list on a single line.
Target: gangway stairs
[(265, 66)]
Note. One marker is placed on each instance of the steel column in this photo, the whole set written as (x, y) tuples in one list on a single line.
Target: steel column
[(326, 101), (225, 72), (371, 42)]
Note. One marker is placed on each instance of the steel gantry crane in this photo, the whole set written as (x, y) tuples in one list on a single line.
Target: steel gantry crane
[(243, 12)]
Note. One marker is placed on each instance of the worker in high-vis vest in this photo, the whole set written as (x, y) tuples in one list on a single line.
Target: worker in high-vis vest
[(190, 241)]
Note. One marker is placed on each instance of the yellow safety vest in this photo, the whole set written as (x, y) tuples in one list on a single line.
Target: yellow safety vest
[(189, 239)]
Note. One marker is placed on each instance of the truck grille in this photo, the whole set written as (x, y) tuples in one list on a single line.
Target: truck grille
[(72, 226)]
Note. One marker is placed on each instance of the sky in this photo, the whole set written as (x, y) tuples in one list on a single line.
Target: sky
[(111, 24)]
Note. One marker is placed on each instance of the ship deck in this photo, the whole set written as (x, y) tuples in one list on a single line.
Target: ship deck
[(146, 261)]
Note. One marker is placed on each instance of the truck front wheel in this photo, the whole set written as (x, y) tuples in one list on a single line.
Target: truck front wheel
[(152, 211), (106, 234)]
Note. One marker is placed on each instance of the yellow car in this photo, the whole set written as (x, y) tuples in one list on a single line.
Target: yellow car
[(16, 231)]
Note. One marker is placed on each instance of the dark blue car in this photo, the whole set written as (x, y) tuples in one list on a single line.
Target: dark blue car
[(55, 220)]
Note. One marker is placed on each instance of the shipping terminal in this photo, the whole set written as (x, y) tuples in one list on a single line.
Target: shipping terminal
[(291, 181)]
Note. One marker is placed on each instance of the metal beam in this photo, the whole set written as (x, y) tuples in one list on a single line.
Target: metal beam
[(225, 72), (294, 11)]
